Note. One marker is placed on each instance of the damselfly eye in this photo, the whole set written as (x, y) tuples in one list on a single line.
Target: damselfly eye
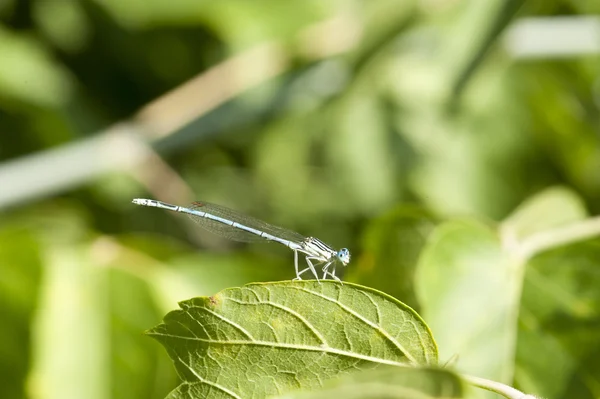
[(344, 256)]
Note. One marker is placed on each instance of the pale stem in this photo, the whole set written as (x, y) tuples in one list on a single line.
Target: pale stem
[(497, 387), (559, 236)]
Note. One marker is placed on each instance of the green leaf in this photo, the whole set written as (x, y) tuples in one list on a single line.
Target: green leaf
[(468, 288), (28, 72), (74, 293), (134, 361), (391, 248), (267, 339), (389, 383), (20, 274)]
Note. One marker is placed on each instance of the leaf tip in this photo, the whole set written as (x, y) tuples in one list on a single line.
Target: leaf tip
[(151, 332)]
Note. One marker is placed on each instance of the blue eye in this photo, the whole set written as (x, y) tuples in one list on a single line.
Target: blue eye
[(344, 256)]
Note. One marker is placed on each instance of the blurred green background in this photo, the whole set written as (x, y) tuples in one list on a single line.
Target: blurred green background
[(382, 126)]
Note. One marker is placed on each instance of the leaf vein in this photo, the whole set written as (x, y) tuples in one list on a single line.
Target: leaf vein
[(375, 305), (187, 328), (290, 311), (197, 322), (230, 322), (421, 341), (207, 382), (366, 321)]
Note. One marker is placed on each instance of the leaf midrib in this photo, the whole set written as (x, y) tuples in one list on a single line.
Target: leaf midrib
[(324, 349)]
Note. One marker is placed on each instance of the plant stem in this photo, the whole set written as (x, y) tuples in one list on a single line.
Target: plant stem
[(560, 236), (496, 387)]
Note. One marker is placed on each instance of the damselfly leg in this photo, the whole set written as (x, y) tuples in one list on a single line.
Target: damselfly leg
[(310, 267), (332, 273)]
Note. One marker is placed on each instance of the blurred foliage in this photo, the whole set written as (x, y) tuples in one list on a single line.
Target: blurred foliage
[(418, 148)]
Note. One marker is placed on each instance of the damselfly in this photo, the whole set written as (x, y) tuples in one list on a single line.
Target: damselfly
[(235, 226)]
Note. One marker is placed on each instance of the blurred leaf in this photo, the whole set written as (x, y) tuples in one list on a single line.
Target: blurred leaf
[(20, 274), (468, 289), (266, 339), (551, 208), (242, 23), (371, 182), (238, 23), (286, 146), (72, 348), (392, 245), (63, 22), (562, 104), (389, 383), (558, 352), (488, 21), (87, 327), (384, 23), (457, 168), (138, 369), (29, 74)]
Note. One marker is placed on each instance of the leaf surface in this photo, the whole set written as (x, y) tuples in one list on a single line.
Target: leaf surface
[(389, 383), (468, 289), (267, 339), (20, 275)]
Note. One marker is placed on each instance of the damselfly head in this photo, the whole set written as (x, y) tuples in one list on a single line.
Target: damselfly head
[(344, 256)]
